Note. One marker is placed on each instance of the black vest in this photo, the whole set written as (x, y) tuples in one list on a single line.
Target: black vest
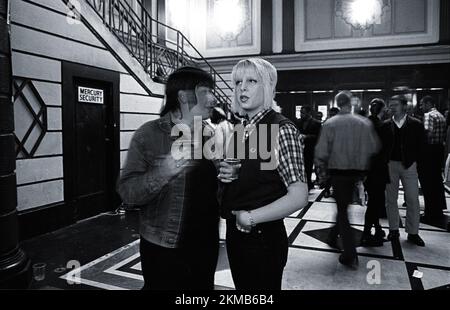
[(255, 187)]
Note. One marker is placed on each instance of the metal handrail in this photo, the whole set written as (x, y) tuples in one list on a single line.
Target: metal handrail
[(158, 55)]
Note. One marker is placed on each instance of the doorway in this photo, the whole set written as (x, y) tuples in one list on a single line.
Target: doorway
[(90, 139)]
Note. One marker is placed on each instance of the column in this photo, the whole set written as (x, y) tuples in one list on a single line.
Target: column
[(14, 264)]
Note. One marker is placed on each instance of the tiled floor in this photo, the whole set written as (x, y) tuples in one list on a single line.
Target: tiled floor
[(312, 263)]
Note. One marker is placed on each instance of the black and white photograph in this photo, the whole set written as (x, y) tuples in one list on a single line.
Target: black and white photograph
[(225, 152)]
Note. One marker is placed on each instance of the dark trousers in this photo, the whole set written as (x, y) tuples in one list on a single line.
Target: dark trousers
[(343, 191), (257, 259), (190, 268), (376, 204), (309, 161), (430, 176)]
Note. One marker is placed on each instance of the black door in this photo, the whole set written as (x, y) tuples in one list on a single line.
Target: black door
[(90, 140), (91, 148), (93, 136)]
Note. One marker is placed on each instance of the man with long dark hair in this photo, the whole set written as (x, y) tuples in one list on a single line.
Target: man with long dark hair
[(179, 215)]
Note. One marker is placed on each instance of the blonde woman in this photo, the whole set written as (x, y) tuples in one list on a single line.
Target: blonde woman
[(255, 204)]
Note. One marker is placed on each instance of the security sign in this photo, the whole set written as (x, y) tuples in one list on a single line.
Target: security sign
[(90, 95)]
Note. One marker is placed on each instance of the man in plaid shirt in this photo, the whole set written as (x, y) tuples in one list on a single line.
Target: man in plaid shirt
[(430, 171)]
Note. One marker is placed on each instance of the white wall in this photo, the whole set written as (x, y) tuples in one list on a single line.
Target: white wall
[(41, 39)]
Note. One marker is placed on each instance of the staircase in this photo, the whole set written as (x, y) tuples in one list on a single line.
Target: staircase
[(158, 55)]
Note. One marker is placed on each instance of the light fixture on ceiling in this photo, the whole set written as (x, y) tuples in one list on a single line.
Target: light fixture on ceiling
[(402, 88), (230, 18), (361, 14)]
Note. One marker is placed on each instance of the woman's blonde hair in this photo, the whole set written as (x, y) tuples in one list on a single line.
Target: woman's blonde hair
[(267, 74)]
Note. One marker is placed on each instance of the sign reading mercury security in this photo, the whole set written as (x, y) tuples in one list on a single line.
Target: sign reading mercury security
[(90, 95)]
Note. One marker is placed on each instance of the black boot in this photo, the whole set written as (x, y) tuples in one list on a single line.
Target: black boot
[(416, 240), (349, 261), (367, 240), (379, 233)]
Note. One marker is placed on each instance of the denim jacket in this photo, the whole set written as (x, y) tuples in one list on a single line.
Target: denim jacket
[(143, 183)]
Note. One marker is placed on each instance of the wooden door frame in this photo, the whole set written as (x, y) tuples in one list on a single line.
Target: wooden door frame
[(70, 72)]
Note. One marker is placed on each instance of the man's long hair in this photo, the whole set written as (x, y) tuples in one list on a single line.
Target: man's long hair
[(185, 78)]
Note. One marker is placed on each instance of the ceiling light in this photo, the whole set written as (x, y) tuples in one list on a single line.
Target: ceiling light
[(361, 14), (230, 18)]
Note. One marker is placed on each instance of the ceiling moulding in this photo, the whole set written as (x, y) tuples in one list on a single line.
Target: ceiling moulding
[(344, 59), (324, 25)]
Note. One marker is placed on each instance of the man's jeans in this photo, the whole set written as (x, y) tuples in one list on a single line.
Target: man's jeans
[(343, 186), (188, 268), (410, 184)]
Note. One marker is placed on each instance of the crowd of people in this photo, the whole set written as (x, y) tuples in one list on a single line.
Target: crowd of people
[(181, 199)]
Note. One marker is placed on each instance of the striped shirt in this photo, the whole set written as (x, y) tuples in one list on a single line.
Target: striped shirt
[(435, 127)]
